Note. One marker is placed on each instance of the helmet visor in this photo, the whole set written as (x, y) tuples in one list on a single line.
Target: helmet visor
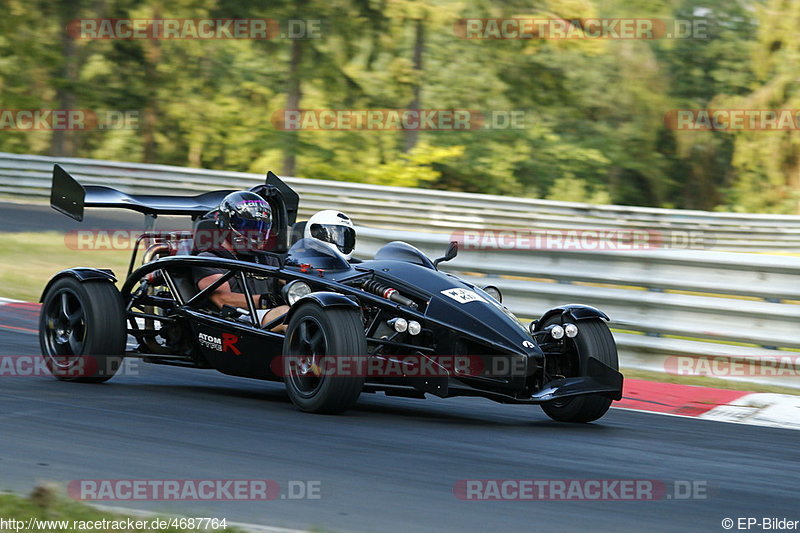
[(343, 237), (249, 225)]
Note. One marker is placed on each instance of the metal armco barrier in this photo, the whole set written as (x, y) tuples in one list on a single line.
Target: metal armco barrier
[(425, 210)]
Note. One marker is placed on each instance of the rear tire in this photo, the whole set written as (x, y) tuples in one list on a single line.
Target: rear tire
[(82, 330), (594, 340), (313, 333)]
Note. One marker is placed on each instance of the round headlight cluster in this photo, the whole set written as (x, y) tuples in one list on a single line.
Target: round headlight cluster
[(401, 325), (494, 292), (295, 290), (556, 331), (559, 332)]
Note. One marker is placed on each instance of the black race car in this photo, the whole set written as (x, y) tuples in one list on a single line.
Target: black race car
[(394, 324)]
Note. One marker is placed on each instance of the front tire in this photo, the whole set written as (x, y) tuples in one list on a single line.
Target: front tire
[(82, 331), (594, 340), (313, 334)]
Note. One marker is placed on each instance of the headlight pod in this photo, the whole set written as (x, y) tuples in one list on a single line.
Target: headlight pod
[(494, 292), (556, 331), (400, 325), (294, 290)]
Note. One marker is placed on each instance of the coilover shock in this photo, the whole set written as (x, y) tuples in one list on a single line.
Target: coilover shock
[(387, 292)]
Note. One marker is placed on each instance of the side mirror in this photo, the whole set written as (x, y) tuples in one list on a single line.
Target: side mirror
[(450, 254)]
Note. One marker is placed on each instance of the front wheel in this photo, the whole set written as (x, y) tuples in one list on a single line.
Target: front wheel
[(314, 335), (82, 331), (594, 340)]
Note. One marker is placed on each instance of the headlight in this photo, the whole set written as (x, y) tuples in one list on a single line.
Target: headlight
[(494, 292), (400, 325), (570, 330), (414, 327), (295, 290), (556, 331)]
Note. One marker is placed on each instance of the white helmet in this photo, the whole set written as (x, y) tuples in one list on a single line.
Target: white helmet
[(334, 229)]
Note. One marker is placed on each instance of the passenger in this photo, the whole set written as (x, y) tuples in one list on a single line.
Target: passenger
[(334, 229)]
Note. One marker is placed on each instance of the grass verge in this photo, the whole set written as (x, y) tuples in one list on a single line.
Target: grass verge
[(46, 504), (29, 260), (702, 381)]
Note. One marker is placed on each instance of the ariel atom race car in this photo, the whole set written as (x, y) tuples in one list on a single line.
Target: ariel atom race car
[(394, 324)]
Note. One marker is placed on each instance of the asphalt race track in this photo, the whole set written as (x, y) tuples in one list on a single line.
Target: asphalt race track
[(389, 465)]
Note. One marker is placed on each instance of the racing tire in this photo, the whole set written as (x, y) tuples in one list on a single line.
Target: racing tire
[(593, 338), (313, 333), (82, 330)]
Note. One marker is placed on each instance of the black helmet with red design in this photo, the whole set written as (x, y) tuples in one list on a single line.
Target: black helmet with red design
[(248, 217)]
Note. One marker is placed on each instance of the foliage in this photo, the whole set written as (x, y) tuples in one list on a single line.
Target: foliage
[(594, 110)]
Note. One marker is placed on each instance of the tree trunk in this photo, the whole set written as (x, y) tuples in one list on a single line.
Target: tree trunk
[(149, 123), (63, 142), (294, 95), (412, 136)]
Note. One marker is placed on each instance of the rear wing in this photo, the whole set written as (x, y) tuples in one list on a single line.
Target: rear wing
[(69, 197)]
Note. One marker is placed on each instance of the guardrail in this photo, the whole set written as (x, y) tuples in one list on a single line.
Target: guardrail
[(663, 303), (426, 210)]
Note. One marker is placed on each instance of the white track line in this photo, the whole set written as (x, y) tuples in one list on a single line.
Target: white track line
[(254, 528)]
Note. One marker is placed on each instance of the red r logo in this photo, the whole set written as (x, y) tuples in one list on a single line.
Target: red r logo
[(229, 343)]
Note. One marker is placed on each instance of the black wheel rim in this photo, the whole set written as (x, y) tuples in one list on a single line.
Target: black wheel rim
[(307, 346), (65, 328)]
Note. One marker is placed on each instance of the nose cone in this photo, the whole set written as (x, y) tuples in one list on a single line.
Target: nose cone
[(465, 309)]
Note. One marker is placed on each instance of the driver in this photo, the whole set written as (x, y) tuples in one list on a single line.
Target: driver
[(245, 220), (334, 229)]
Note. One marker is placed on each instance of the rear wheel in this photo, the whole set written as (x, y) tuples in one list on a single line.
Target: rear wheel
[(82, 331), (594, 340), (314, 335)]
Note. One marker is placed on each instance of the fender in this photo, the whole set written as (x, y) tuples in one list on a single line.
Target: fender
[(83, 275), (575, 311), (324, 299)]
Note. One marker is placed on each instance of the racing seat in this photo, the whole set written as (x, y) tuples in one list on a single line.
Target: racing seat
[(206, 228), (184, 281), (298, 230)]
